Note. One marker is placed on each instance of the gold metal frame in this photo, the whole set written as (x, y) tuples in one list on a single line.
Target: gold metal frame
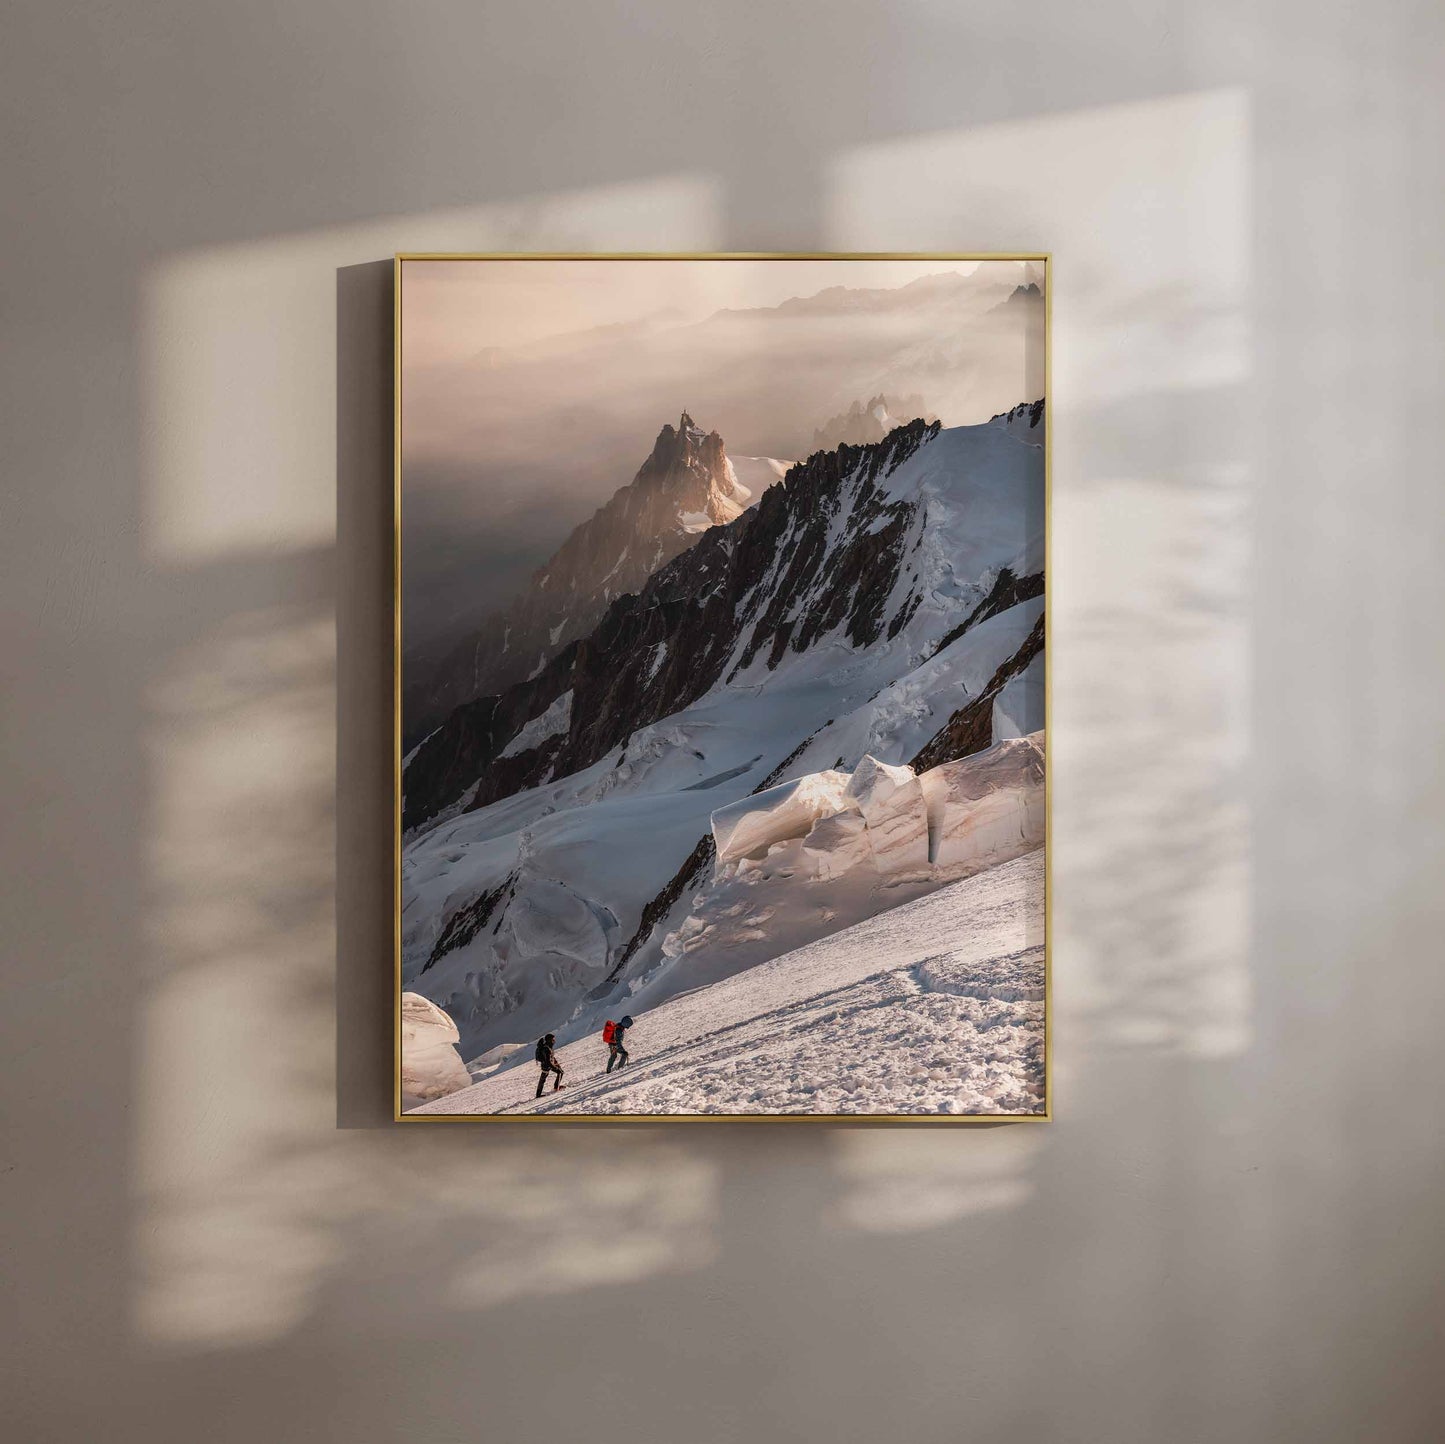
[(1045, 258)]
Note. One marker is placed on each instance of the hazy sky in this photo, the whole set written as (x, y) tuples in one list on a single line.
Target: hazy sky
[(532, 390), (453, 309)]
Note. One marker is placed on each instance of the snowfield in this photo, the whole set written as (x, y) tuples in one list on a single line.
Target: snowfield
[(753, 475), (935, 1007)]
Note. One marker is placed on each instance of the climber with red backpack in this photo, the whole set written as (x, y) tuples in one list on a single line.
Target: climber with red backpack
[(612, 1033)]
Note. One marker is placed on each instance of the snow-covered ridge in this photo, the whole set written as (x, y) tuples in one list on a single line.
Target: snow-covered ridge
[(882, 549)]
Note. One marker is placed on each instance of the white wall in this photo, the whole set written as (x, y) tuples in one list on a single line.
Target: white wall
[(1231, 1231)]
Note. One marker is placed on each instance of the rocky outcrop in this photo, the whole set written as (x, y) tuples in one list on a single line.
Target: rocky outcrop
[(970, 729), (447, 767), (468, 921)]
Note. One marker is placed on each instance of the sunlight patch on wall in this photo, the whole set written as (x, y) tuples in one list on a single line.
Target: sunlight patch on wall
[(1145, 208), (899, 1182), (239, 354), (235, 1038), (254, 1215), (576, 1220)]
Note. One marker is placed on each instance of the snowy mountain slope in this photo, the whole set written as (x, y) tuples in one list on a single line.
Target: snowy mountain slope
[(933, 1007), (860, 844), (687, 485), (613, 833), (904, 715), (858, 610), (880, 550)]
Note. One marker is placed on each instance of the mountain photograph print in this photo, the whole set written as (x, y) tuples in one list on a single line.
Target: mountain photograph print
[(721, 761)]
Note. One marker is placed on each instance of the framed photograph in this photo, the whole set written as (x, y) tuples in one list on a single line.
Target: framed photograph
[(721, 765)]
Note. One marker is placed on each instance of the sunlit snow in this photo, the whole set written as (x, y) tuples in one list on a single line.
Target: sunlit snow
[(934, 1007)]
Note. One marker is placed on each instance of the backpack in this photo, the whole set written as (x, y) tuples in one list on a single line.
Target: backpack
[(541, 1050), (609, 1031)]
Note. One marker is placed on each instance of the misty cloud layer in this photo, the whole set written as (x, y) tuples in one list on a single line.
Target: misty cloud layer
[(508, 446)]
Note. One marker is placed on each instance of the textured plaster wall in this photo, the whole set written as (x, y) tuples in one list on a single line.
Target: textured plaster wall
[(211, 1230)]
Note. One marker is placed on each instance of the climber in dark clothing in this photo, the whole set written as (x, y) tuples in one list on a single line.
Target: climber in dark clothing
[(618, 1055), (547, 1057)]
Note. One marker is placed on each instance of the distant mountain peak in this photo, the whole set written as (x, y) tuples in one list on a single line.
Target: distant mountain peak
[(864, 423), (686, 486), (691, 465)]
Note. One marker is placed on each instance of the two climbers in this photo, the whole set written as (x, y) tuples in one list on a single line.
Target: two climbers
[(612, 1035)]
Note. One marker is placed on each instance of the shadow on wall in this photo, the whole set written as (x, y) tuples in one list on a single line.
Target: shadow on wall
[(274, 1198)]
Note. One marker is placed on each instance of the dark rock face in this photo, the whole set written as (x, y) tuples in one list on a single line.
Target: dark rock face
[(684, 486), (970, 729), (468, 921), (1034, 410), (776, 578), (1026, 299), (1008, 591), (445, 765), (688, 878)]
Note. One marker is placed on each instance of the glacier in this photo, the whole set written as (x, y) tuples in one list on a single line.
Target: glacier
[(891, 836)]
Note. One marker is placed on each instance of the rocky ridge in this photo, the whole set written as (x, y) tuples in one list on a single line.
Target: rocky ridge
[(774, 578)]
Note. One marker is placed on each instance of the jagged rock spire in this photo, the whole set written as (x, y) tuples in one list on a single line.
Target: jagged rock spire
[(684, 487)]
